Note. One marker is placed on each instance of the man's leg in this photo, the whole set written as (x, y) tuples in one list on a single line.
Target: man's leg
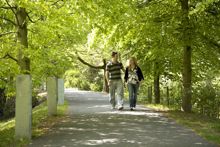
[(112, 94), (120, 94)]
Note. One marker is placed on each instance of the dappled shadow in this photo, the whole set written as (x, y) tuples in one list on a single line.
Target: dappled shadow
[(120, 130), (92, 123)]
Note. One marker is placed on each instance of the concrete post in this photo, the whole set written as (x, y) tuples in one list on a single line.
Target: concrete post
[(23, 108), (52, 95), (60, 91)]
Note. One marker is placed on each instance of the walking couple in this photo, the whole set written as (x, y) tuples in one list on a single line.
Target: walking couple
[(133, 77)]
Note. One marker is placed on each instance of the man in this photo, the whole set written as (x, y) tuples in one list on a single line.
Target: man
[(113, 76)]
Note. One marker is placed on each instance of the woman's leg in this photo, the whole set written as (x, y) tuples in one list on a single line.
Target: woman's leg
[(136, 87), (131, 92)]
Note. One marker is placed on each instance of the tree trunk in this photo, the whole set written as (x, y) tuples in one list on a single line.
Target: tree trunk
[(105, 84), (157, 89), (150, 94), (23, 61), (157, 83), (168, 96), (187, 53), (187, 76)]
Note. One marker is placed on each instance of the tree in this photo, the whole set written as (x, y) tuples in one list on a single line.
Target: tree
[(159, 34), (103, 67), (187, 66)]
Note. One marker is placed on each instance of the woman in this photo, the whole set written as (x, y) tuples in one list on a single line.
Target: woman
[(133, 78)]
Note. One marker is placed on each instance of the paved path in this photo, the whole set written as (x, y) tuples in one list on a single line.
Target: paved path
[(91, 123)]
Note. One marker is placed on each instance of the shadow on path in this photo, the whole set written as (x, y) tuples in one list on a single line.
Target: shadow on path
[(90, 122)]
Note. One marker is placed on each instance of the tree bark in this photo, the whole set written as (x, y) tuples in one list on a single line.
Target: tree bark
[(157, 83), (187, 53), (105, 83), (168, 95), (90, 65), (187, 77), (23, 61), (150, 94)]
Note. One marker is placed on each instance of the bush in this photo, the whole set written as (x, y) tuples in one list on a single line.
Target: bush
[(2, 101), (207, 102), (84, 79), (95, 87), (9, 108)]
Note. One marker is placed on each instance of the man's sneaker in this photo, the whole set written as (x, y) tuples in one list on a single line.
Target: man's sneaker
[(113, 107), (132, 109), (120, 108)]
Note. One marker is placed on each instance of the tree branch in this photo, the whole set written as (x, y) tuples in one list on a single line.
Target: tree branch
[(5, 56), (3, 7), (12, 9), (213, 42), (56, 2), (12, 22), (88, 64), (31, 19), (3, 79), (7, 33), (10, 57)]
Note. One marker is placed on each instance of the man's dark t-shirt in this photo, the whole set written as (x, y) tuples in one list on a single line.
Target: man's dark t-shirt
[(114, 70)]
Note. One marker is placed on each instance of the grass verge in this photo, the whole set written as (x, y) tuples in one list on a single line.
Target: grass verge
[(41, 123), (206, 127)]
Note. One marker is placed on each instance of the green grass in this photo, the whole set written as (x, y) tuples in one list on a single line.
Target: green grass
[(206, 127), (40, 124), (158, 107)]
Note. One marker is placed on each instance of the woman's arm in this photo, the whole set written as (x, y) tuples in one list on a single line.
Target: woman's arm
[(140, 74)]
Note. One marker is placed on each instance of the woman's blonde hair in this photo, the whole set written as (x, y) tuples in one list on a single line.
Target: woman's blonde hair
[(134, 60)]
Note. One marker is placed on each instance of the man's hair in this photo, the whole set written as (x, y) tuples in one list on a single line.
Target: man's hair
[(114, 53)]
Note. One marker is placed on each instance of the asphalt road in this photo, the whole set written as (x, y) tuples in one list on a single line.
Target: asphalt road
[(91, 122)]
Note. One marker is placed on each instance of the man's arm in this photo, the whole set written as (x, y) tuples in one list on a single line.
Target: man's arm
[(122, 68)]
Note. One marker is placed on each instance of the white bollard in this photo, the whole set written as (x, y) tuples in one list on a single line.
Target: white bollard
[(23, 108), (60, 91), (52, 95)]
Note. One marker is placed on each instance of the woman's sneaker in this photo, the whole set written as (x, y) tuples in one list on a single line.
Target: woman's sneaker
[(120, 108)]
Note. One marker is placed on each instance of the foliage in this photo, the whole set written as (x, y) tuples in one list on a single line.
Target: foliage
[(91, 79), (207, 100), (8, 107), (40, 122), (152, 31)]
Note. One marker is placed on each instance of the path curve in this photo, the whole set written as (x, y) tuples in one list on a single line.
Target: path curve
[(91, 122)]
